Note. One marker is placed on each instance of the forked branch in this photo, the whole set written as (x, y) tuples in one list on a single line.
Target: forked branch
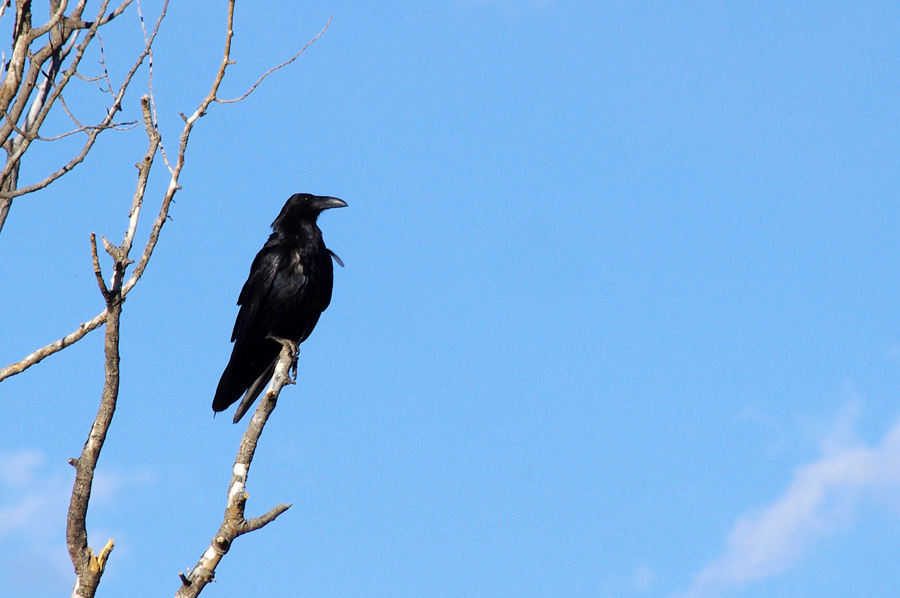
[(280, 66), (88, 565), (175, 171)]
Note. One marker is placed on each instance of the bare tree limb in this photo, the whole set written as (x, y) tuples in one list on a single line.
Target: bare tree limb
[(88, 566), (234, 523), (19, 85), (182, 147), (94, 131), (98, 274), (143, 167), (54, 19), (122, 126), (38, 356), (15, 68), (280, 66), (173, 187), (24, 105)]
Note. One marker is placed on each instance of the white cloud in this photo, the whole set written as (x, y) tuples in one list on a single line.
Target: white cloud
[(33, 518), (33, 522), (821, 499), (17, 469), (33, 500)]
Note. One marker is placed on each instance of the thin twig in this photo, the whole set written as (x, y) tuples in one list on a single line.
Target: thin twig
[(280, 66), (53, 22), (150, 91), (43, 352), (22, 143), (94, 132), (105, 75), (173, 187), (98, 274), (123, 126), (143, 167)]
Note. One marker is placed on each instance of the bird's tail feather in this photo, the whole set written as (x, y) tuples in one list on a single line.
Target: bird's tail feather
[(227, 392), (253, 392)]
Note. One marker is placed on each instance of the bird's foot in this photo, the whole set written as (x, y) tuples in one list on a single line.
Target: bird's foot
[(293, 348)]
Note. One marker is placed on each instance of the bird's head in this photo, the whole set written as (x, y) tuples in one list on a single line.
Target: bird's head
[(303, 206)]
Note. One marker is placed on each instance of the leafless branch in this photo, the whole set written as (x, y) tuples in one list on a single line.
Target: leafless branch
[(88, 566), (150, 92), (118, 11), (19, 127), (38, 356), (123, 126), (105, 75), (54, 20), (98, 274), (143, 167), (17, 87), (22, 85), (182, 147), (280, 66), (233, 523), (72, 117), (87, 79), (173, 187), (56, 60), (92, 132)]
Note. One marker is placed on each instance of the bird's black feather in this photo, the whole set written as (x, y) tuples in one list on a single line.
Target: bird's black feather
[(289, 287)]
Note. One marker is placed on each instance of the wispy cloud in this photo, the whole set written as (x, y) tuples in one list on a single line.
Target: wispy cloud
[(33, 518), (17, 469), (32, 497), (32, 522), (821, 499)]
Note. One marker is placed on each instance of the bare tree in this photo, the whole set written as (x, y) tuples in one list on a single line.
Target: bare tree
[(44, 60)]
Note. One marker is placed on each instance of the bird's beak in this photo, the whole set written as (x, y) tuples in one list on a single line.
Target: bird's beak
[(323, 203)]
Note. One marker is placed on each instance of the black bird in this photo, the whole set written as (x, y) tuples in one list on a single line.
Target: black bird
[(288, 289)]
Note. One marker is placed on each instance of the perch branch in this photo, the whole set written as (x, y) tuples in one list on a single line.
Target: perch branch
[(234, 523)]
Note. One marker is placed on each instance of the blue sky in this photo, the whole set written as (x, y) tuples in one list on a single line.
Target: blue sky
[(619, 315)]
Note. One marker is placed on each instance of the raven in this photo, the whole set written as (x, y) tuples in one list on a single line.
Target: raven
[(288, 289)]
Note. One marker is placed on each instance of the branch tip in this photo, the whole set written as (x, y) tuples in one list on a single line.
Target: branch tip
[(97, 563), (109, 247), (98, 274)]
